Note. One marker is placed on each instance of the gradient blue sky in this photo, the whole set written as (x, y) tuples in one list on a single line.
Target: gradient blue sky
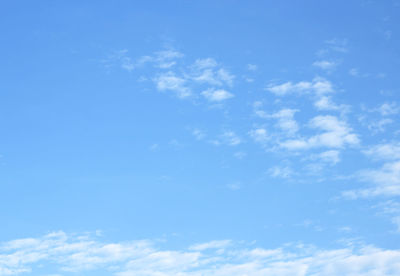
[(200, 138)]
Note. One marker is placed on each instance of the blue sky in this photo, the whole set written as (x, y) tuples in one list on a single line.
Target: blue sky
[(200, 138)]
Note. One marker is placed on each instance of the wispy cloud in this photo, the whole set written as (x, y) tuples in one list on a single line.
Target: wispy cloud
[(391, 209), (161, 59), (387, 109), (252, 67), (240, 154), (228, 137), (280, 172), (218, 95), (377, 124), (319, 86), (198, 134), (234, 186), (211, 245), (325, 64), (354, 72), (337, 45), (185, 79), (205, 63), (330, 156)]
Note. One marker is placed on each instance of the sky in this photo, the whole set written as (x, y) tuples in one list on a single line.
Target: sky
[(196, 138)]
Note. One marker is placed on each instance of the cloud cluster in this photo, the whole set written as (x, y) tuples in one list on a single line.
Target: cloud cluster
[(58, 252), (203, 73), (335, 134), (319, 89), (185, 81)]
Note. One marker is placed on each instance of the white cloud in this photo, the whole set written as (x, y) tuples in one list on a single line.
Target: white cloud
[(390, 208), (296, 144), (388, 151), (330, 156), (234, 186), (284, 116), (325, 64), (185, 82), (260, 113), (204, 71), (380, 125), (385, 182), (280, 172), (396, 221), (345, 229), (162, 59), (259, 135), (120, 58), (354, 72), (387, 109), (326, 103), (166, 59), (319, 86), (59, 252), (337, 45), (198, 134), (225, 76), (257, 104), (336, 134), (229, 138), (288, 87), (204, 63), (169, 81), (207, 76), (167, 55), (286, 121), (211, 245), (252, 67), (154, 147), (218, 95), (239, 154)]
